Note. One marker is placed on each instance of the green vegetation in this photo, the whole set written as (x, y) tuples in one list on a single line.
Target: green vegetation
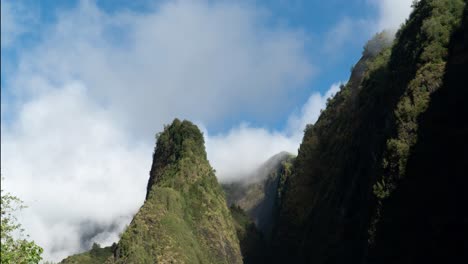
[(333, 166), (430, 28), (15, 246), (97, 255), (421, 216), (185, 217), (338, 204), (432, 39)]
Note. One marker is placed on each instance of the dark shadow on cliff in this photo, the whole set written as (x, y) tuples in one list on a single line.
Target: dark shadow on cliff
[(426, 218)]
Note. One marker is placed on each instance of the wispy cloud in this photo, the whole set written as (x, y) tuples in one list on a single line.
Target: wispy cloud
[(344, 32), (390, 15)]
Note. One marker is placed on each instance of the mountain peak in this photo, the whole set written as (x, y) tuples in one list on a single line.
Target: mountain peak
[(185, 218), (179, 140)]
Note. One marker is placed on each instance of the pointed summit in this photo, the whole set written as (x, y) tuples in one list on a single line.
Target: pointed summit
[(185, 218), (180, 140)]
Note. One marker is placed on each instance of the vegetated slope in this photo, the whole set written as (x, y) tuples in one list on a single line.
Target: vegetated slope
[(259, 195), (424, 215), (185, 218), (326, 200), (96, 255), (342, 200)]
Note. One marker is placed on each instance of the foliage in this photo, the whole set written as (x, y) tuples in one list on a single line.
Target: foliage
[(425, 161), (356, 155), (432, 37), (97, 255), (15, 246)]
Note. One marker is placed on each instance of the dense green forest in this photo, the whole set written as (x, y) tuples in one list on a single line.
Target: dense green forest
[(376, 180), (379, 178)]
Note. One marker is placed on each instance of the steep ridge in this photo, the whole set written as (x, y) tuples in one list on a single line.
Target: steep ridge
[(185, 218), (326, 199), (352, 161)]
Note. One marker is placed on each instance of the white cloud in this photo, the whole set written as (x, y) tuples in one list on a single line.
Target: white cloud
[(71, 165), (239, 152), (310, 112), (190, 59), (392, 13)]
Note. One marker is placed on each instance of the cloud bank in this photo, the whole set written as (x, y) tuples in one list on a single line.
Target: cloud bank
[(72, 166), (191, 59)]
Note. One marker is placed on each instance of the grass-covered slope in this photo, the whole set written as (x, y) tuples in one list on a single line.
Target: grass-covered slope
[(340, 203), (185, 218)]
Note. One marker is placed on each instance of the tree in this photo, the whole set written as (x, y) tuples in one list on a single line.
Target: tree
[(15, 246)]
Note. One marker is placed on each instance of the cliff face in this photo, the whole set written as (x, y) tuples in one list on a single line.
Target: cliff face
[(360, 168), (259, 195), (255, 203), (185, 218), (424, 217)]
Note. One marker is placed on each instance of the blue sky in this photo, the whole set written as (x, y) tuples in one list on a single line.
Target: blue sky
[(85, 86), (316, 19)]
